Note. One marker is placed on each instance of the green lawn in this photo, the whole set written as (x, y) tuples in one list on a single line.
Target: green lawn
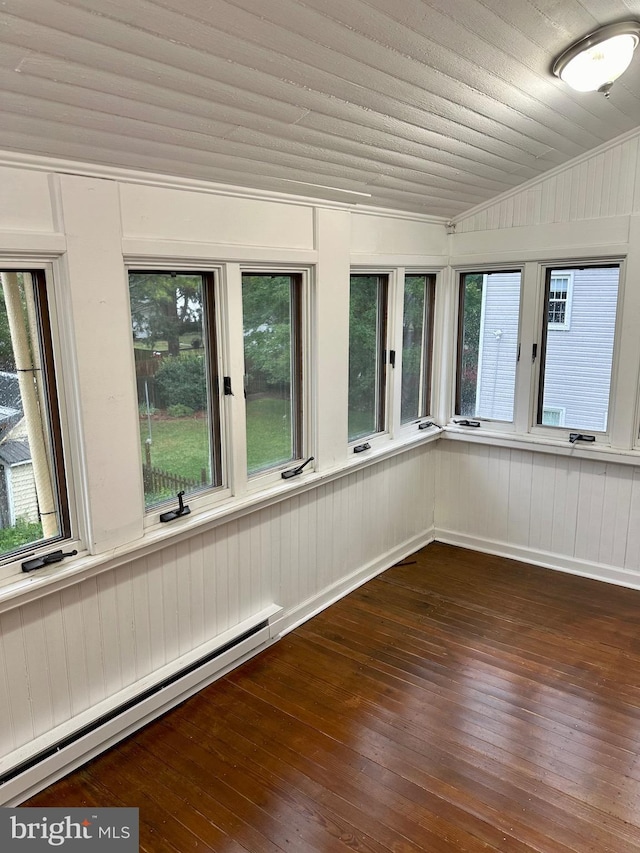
[(181, 445)]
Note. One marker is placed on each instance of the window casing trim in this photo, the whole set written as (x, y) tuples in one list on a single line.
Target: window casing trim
[(536, 428), (495, 425), (303, 390), (60, 382), (384, 395), (428, 348)]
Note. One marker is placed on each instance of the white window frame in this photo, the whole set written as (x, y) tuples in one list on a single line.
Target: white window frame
[(408, 428), (391, 411), (214, 496), (486, 424), (562, 433), (66, 392), (261, 480)]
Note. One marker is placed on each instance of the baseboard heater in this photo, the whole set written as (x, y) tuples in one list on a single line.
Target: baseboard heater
[(31, 775)]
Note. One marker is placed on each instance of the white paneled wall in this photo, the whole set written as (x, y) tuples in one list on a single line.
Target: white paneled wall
[(75, 651), (593, 187), (575, 514)]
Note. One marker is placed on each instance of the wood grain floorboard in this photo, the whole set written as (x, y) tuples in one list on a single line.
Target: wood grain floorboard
[(458, 703)]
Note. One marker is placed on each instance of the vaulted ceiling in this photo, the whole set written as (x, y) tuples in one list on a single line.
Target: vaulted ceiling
[(431, 106)]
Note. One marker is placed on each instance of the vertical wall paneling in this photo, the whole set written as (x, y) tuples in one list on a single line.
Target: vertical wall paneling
[(578, 514), (19, 724), (632, 539), (598, 185)]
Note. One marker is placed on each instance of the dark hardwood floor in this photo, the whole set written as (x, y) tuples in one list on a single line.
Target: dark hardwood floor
[(459, 702)]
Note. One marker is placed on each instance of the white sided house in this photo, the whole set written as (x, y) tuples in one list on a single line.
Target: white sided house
[(581, 320)]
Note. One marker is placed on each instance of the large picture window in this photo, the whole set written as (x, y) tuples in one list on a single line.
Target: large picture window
[(489, 317), (367, 354), (272, 325), (33, 495), (174, 335)]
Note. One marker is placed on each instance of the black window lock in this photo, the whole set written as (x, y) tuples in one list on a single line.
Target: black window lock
[(467, 423), (172, 514), (45, 560)]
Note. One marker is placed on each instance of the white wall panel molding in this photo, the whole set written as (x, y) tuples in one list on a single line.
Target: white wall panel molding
[(189, 255), (410, 262), (41, 245), (388, 235), (162, 213), (26, 202), (596, 238)]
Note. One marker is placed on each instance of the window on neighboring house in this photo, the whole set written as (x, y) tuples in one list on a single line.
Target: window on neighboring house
[(174, 339), (367, 354), (33, 495), (552, 416), (576, 361), (417, 345), (559, 300), (273, 341), (489, 317)]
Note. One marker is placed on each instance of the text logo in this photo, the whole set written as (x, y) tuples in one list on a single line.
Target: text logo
[(31, 829)]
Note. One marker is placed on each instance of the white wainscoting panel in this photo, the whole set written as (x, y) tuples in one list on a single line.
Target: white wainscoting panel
[(573, 514), (73, 655)]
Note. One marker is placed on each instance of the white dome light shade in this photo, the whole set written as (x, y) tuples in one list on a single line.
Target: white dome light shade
[(596, 61)]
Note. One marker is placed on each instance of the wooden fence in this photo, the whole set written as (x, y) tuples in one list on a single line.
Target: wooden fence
[(156, 481)]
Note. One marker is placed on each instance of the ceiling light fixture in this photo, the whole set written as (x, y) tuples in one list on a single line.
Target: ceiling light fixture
[(596, 61)]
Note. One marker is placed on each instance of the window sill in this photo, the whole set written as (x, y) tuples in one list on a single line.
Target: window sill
[(16, 592), (538, 444)]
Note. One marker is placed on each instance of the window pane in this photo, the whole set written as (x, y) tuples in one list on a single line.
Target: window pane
[(367, 335), (488, 344), (32, 491), (174, 348), (577, 356), (416, 347), (272, 356)]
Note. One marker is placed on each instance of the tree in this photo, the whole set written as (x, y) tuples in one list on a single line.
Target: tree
[(470, 343), (266, 309), (363, 341), (165, 306)]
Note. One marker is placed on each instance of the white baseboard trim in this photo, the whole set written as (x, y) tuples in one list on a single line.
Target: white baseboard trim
[(310, 608), (58, 764), (545, 559)]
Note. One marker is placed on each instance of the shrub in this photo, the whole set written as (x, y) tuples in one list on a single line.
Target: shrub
[(143, 410), (21, 534), (180, 380), (179, 410)]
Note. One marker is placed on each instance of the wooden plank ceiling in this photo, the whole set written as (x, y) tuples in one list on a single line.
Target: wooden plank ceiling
[(430, 106)]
